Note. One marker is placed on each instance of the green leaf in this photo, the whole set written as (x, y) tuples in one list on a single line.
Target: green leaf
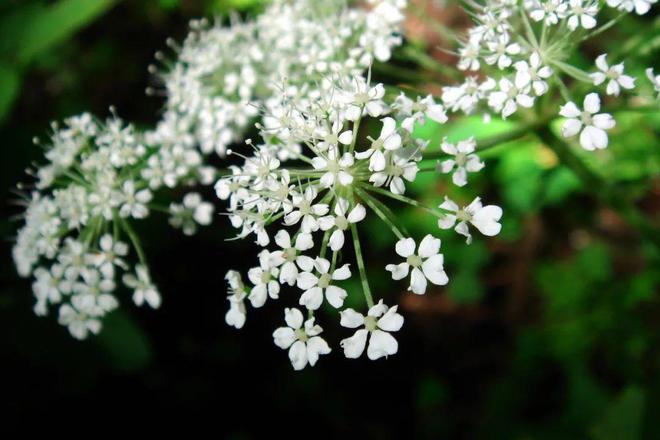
[(623, 418), (56, 23), (126, 345), (10, 82)]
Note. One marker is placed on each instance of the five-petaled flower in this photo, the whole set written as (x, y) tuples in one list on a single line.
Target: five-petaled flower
[(378, 324), (589, 123), (304, 343), (427, 263)]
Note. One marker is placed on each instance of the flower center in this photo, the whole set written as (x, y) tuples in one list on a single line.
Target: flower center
[(265, 277), (362, 98), (341, 222), (370, 323), (305, 207), (414, 260), (463, 215), (301, 335), (289, 254), (461, 159), (324, 281), (333, 166), (586, 118)]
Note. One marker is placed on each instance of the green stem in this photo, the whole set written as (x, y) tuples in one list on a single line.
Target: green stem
[(126, 226), (380, 212), (360, 262)]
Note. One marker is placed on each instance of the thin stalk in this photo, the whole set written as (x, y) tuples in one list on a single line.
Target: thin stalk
[(360, 262), (371, 203), (126, 226)]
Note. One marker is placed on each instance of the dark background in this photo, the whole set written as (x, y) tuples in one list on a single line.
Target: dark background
[(550, 331)]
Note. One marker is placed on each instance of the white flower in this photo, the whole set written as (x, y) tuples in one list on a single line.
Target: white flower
[(134, 204), (304, 344), (655, 80), (426, 264), (582, 13), (145, 290), (469, 56), (341, 222), (641, 7), (288, 258), (389, 140), (464, 160), (417, 111), (109, 255), (533, 73), (377, 324), (264, 279), (337, 169), (334, 136), (509, 96), (79, 324), (399, 169), (466, 96), (192, 212), (316, 287), (500, 50), (484, 218), (364, 99), (550, 11), (236, 314), (589, 123), (615, 75), (305, 210)]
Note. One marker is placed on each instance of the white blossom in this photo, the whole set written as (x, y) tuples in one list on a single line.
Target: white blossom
[(303, 342), (534, 73), (464, 160), (265, 280), (614, 74), (316, 287), (589, 123), (341, 221), (144, 289), (582, 13), (641, 7), (484, 218), (427, 263), (378, 324)]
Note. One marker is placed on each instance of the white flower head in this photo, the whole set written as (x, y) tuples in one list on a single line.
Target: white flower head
[(289, 257), (389, 140), (303, 342), (582, 13), (484, 218), (509, 96), (316, 287), (426, 264), (341, 221), (589, 123), (534, 73), (144, 289), (641, 7), (237, 293), (378, 324), (614, 74), (265, 280), (464, 160)]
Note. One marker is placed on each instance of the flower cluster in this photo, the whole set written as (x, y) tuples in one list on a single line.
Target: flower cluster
[(99, 178), (521, 49), (315, 199), (222, 74)]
